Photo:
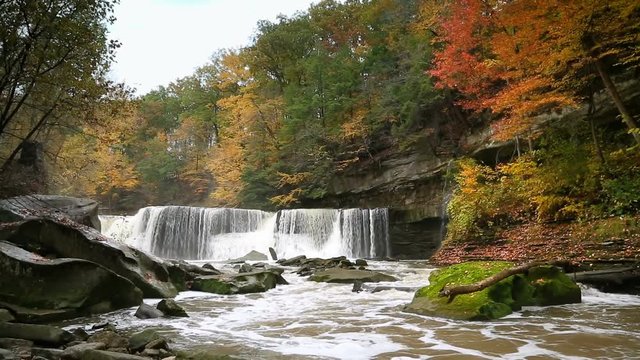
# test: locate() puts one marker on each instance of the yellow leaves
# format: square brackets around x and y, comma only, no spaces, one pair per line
[288,199]
[355,127]
[227,164]
[293,179]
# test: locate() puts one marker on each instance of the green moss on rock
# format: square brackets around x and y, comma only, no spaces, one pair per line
[212,284]
[540,286]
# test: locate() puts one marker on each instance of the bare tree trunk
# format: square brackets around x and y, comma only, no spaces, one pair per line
[38,125]
[613,91]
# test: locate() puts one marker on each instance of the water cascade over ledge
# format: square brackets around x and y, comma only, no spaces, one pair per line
[195,233]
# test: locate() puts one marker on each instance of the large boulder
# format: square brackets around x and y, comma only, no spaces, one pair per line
[80,210]
[69,240]
[39,334]
[68,287]
[243,283]
[539,286]
[349,276]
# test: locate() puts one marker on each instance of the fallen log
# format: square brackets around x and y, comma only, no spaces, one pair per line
[626,279]
[453,291]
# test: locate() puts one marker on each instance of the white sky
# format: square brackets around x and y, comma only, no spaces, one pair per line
[163,40]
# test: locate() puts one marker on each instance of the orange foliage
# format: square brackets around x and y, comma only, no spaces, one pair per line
[525,57]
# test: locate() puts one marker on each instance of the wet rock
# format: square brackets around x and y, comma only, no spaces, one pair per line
[169,308]
[361,262]
[109,355]
[539,286]
[7,355]
[397,288]
[245,268]
[77,352]
[39,334]
[154,353]
[103,325]
[66,287]
[346,264]
[211,268]
[251,256]
[19,347]
[244,283]
[139,340]
[5,315]
[338,275]
[181,272]
[46,353]
[294,261]
[357,286]
[145,311]
[273,254]
[160,343]
[145,271]
[305,271]
[109,338]
[36,316]
[80,334]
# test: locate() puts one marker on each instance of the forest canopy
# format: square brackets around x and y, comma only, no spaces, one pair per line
[318,93]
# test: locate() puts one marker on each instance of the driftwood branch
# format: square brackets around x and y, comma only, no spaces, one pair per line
[453,291]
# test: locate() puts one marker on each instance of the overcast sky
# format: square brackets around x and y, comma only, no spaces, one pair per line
[163,40]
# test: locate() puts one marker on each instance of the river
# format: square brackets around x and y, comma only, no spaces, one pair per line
[308,320]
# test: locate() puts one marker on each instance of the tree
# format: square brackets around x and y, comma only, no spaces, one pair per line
[54,56]
[525,57]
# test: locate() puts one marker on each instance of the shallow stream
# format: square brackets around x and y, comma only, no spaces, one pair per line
[308,320]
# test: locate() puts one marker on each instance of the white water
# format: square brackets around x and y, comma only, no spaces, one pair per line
[209,233]
[308,320]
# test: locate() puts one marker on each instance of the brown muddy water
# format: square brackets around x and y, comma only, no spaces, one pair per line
[307,320]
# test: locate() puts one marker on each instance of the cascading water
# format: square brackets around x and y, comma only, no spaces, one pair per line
[193,233]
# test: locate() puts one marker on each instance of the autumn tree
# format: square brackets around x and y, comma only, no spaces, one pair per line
[522,58]
[54,56]
[93,160]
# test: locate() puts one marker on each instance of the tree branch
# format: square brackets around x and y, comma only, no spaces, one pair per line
[453,291]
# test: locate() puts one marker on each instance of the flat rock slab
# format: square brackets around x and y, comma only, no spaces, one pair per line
[349,276]
[39,334]
[80,210]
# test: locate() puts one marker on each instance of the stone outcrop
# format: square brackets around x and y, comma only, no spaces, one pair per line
[80,210]
[54,238]
[59,287]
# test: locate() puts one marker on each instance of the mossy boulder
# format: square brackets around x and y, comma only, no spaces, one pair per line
[539,286]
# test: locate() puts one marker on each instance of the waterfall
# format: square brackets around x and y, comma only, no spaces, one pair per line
[195,233]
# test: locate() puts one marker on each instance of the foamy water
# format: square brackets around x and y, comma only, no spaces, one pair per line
[308,320]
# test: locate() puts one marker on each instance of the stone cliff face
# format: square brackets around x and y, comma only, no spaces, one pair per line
[413,184]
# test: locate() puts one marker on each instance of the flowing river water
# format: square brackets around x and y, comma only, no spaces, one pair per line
[309,320]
